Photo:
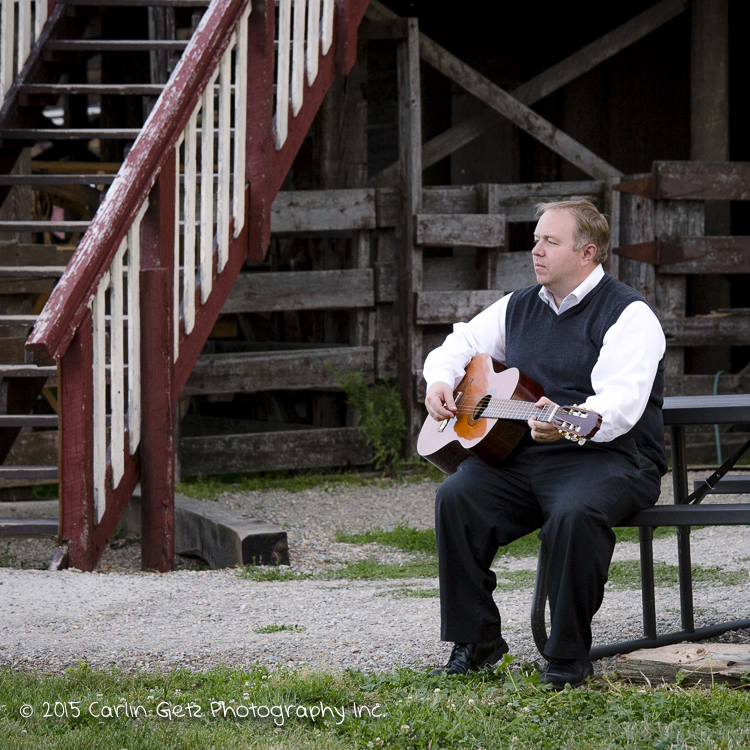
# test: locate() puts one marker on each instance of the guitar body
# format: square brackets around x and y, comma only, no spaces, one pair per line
[489,439]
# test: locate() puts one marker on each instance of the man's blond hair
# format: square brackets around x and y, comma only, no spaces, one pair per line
[591,227]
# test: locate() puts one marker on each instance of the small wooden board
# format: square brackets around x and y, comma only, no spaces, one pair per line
[701,663]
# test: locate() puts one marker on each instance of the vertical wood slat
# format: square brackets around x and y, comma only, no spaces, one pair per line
[206,266]
[225,166]
[188,250]
[313,40]
[134,331]
[298,57]
[281,124]
[327,26]
[240,125]
[99,366]
[24,33]
[176,280]
[6,49]
[40,18]
[117,368]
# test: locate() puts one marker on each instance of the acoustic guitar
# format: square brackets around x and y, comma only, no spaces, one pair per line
[494,403]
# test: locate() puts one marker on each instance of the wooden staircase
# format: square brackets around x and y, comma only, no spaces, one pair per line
[147,255]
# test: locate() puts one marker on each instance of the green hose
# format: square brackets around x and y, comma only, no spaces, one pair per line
[716,427]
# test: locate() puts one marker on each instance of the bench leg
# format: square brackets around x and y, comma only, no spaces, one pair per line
[686,578]
[646,538]
[539,601]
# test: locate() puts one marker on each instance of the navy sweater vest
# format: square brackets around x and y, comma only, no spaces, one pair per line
[560,351]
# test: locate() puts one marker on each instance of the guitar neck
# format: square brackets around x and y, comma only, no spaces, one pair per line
[506,408]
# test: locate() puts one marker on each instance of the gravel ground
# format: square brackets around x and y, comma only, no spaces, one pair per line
[119,616]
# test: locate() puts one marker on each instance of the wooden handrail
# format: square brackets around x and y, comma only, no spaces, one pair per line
[72,296]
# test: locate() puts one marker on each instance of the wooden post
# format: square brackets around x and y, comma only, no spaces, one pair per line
[76,400]
[157,437]
[409,255]
[637,215]
[612,210]
[709,141]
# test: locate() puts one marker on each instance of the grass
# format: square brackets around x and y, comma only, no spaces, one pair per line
[280,628]
[405,709]
[371,570]
[627,574]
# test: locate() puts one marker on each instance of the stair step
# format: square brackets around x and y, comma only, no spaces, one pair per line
[142,3]
[106,89]
[57,179]
[76,167]
[26,527]
[29,420]
[114,45]
[18,320]
[31,272]
[47,473]
[27,371]
[68,134]
[44,226]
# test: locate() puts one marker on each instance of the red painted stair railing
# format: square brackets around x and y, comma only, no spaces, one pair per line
[190,204]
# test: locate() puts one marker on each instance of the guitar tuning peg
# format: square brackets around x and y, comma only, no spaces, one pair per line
[581,441]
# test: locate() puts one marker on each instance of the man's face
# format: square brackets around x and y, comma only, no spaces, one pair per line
[557,264]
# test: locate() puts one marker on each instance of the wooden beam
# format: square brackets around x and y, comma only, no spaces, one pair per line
[409,257]
[708,255]
[545,83]
[279,370]
[720,328]
[519,114]
[449,230]
[301,290]
[272,451]
[448,307]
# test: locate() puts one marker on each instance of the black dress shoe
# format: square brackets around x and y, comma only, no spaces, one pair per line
[562,672]
[471,657]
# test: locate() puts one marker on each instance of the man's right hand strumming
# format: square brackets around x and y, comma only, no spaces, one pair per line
[439,402]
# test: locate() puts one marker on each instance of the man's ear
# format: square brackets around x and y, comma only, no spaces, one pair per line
[588,252]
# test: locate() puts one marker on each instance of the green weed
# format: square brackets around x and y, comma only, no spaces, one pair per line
[280,628]
[627,574]
[269,573]
[370,570]
[402,537]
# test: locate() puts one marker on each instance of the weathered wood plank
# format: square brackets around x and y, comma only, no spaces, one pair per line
[725,327]
[703,385]
[271,451]
[449,230]
[323,211]
[695,180]
[301,290]
[449,307]
[706,255]
[287,370]
[514,270]
[705,663]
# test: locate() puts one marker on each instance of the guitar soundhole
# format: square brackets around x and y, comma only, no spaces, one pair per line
[478,412]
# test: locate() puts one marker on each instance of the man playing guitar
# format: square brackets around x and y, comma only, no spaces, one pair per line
[587,339]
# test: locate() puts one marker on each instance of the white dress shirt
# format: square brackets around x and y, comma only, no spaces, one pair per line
[622,377]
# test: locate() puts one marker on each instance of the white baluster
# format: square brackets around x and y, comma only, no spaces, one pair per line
[282,73]
[40,17]
[326,30]
[6,46]
[134,331]
[188,250]
[240,125]
[225,166]
[117,367]
[298,57]
[207,192]
[176,285]
[24,32]
[100,398]
[313,40]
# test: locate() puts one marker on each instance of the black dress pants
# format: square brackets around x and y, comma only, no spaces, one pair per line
[574,495]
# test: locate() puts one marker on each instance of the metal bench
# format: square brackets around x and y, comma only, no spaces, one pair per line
[678,412]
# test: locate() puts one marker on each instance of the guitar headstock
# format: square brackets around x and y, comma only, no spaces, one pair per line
[576,423]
